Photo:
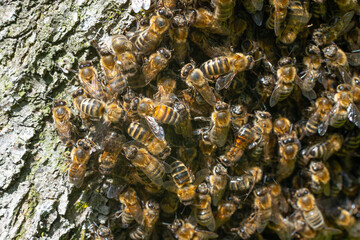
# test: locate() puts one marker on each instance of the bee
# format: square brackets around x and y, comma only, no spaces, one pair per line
[112,149]
[263,208]
[305,202]
[89,79]
[166,84]
[179,31]
[96,109]
[195,78]
[239,116]
[325,149]
[217,183]
[207,148]
[243,139]
[151,214]
[265,86]
[312,62]
[283,227]
[317,119]
[262,129]
[336,59]
[185,183]
[302,227]
[155,146]
[278,201]
[344,218]
[116,82]
[246,181]
[149,39]
[80,155]
[169,204]
[151,166]
[223,9]
[247,227]
[220,124]
[298,17]
[289,145]
[336,178]
[286,74]
[277,15]
[319,9]
[351,143]
[155,64]
[125,57]
[344,108]
[133,210]
[227,67]
[254,8]
[203,212]
[65,129]
[224,212]
[282,126]
[327,34]
[104,233]
[355,82]
[185,230]
[320,178]
[184,127]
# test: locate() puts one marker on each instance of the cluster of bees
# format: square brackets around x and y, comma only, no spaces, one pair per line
[225,119]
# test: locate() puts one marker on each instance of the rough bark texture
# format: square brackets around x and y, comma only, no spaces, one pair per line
[37,39]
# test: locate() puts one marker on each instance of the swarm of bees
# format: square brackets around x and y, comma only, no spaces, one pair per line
[224,119]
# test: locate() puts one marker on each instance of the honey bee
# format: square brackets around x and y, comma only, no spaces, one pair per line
[336,59]
[320,178]
[243,139]
[302,227]
[155,146]
[185,230]
[184,127]
[283,227]
[325,149]
[80,155]
[132,205]
[179,31]
[166,84]
[169,204]
[298,17]
[277,15]
[65,129]
[289,145]
[112,149]
[217,183]
[207,148]
[263,208]
[227,67]
[203,212]
[195,78]
[317,120]
[149,39]
[116,82]
[336,178]
[254,8]
[247,227]
[326,34]
[155,64]
[224,212]
[344,108]
[318,9]
[125,57]
[355,82]
[312,62]
[239,116]
[151,214]
[282,126]
[104,233]
[220,124]
[185,184]
[344,218]
[351,143]
[265,86]
[89,79]
[151,166]
[305,202]
[286,74]
[223,9]
[246,181]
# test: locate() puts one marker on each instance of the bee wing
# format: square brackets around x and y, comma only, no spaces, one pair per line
[155,128]
[353,114]
[136,5]
[308,93]
[207,93]
[224,81]
[258,17]
[323,126]
[201,175]
[353,58]
[211,225]
[170,186]
[202,234]
[275,95]
[146,4]
[345,74]
[276,21]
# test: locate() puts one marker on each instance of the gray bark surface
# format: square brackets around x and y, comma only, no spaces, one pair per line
[38,39]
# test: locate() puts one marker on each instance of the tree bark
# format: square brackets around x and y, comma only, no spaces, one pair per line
[39,39]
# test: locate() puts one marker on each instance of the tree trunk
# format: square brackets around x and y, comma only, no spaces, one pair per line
[39,39]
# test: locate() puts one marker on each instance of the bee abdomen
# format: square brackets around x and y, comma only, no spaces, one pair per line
[92,107]
[180,173]
[166,115]
[137,132]
[216,66]
[315,219]
[311,126]
[285,92]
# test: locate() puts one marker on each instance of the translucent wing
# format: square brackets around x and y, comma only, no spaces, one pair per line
[155,128]
[207,93]
[353,114]
[353,58]
[276,20]
[258,17]
[146,4]
[275,96]
[308,93]
[224,81]
[323,126]
[137,5]
[201,175]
